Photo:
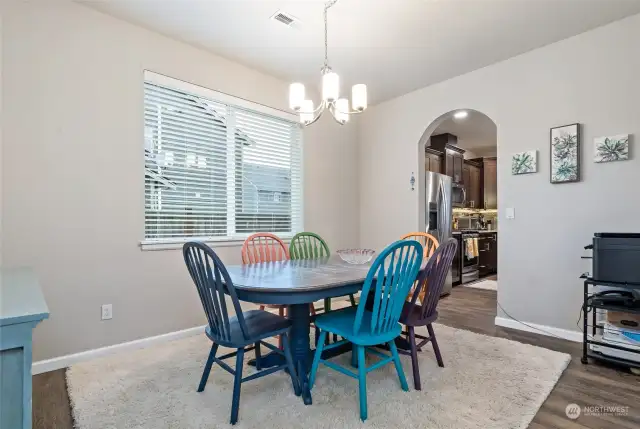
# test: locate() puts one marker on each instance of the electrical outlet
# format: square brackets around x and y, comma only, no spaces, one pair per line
[107,311]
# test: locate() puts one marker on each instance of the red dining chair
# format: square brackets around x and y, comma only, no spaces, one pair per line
[267,247]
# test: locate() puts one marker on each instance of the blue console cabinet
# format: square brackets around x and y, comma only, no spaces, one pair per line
[22,307]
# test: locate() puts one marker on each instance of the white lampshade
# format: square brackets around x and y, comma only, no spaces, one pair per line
[296,96]
[342,110]
[306,111]
[330,86]
[359,97]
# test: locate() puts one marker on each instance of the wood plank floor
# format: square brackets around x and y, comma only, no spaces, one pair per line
[465,308]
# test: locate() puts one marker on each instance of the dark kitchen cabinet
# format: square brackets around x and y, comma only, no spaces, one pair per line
[471,173]
[466,183]
[458,162]
[453,156]
[448,164]
[490,173]
[488,249]
[433,161]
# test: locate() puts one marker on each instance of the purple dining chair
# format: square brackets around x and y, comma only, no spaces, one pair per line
[424,314]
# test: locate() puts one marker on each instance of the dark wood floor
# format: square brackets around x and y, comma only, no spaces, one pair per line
[465,308]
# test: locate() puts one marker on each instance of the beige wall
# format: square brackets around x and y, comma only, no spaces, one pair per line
[73,172]
[592,79]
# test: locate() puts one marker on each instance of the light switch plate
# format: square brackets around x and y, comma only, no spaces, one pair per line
[510,213]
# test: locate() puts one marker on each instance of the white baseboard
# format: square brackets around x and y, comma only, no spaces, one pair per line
[550,331]
[68,360]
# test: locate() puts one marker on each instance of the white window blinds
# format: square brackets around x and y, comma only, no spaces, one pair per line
[215,170]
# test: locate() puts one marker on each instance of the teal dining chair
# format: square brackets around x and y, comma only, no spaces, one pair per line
[391,276]
[309,245]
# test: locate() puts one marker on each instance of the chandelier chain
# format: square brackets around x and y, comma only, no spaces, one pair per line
[326,25]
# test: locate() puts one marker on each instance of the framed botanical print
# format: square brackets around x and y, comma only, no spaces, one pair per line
[613,148]
[524,162]
[565,153]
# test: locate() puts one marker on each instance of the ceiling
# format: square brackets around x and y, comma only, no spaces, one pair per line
[393,46]
[476,133]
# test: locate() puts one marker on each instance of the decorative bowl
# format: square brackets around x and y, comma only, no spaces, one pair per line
[356,256]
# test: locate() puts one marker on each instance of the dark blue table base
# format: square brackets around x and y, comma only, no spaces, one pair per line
[300,349]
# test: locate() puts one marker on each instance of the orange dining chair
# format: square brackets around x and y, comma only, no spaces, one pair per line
[266,247]
[429,244]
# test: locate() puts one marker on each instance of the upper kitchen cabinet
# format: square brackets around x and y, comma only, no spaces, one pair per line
[471,173]
[453,159]
[432,160]
[490,168]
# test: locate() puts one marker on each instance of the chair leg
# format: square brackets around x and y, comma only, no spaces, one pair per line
[362,383]
[354,355]
[258,356]
[292,370]
[434,342]
[316,358]
[353,300]
[237,380]
[327,305]
[312,309]
[207,367]
[281,314]
[399,370]
[414,359]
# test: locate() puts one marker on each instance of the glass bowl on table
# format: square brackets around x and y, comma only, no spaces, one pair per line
[356,256]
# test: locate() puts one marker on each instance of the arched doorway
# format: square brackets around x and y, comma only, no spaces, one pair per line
[462,144]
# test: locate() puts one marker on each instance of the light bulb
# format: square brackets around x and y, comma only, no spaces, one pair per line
[359,97]
[306,111]
[341,111]
[330,86]
[296,96]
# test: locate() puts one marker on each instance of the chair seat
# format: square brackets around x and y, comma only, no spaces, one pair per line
[341,322]
[260,324]
[412,315]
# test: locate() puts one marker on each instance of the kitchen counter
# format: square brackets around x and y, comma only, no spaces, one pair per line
[479,231]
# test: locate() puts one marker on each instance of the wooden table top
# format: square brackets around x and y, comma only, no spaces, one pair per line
[298,275]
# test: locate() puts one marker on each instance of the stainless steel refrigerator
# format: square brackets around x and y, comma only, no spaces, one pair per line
[438,216]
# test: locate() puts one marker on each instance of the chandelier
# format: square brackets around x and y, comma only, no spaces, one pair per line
[339,107]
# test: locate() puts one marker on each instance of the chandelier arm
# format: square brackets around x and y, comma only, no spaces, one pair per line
[315,118]
[320,107]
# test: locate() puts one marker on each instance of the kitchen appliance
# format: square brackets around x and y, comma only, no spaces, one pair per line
[469,260]
[456,266]
[458,195]
[439,213]
[616,257]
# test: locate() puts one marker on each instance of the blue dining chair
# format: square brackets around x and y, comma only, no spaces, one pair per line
[247,328]
[392,274]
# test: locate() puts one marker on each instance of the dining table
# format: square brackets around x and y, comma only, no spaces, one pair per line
[296,284]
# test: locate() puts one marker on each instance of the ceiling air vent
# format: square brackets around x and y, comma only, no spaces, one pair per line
[284,18]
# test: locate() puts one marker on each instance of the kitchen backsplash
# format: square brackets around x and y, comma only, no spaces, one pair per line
[468,218]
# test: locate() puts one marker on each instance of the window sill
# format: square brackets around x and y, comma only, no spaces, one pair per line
[146,245]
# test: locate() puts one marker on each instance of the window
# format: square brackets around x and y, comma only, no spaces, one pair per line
[217,167]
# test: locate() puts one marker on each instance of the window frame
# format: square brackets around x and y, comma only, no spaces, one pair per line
[238,238]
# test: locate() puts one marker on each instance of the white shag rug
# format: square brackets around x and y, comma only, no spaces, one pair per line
[487,383]
[483,284]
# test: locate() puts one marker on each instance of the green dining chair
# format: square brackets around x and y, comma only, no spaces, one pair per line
[309,245]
